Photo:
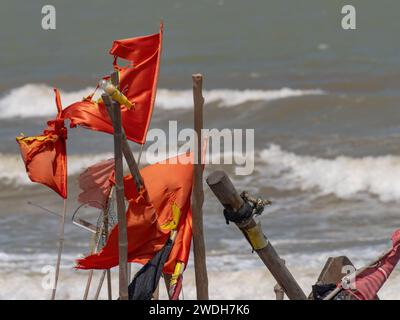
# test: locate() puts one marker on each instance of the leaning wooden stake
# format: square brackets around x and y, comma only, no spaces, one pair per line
[198,194]
[279,293]
[60,248]
[226,193]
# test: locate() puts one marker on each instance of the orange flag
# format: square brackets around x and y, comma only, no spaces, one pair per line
[149,224]
[45,155]
[137,81]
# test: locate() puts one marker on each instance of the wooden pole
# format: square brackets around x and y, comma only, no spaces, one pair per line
[226,193]
[119,190]
[130,159]
[199,251]
[60,248]
[126,150]
[121,146]
[279,293]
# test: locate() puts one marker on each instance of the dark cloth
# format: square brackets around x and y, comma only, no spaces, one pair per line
[146,280]
[320,291]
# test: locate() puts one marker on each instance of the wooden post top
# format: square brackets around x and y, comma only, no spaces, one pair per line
[197,76]
[224,190]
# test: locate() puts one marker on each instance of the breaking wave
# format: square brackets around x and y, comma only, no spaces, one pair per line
[345,177]
[37,100]
[20,280]
[174,99]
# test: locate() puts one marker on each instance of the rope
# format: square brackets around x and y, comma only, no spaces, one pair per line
[252,206]
[257,203]
[140,154]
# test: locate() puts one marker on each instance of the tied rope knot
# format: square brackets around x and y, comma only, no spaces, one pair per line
[141,194]
[252,206]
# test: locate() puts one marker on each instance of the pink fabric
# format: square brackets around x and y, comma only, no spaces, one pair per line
[96,184]
[370,281]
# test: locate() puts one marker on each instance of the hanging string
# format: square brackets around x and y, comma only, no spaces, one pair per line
[140,154]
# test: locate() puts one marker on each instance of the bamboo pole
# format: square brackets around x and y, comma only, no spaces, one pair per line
[156,293]
[95,248]
[167,281]
[109,288]
[88,283]
[200,265]
[105,223]
[226,193]
[60,248]
[97,294]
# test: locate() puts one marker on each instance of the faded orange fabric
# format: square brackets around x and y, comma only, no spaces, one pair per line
[137,81]
[45,155]
[166,184]
[96,182]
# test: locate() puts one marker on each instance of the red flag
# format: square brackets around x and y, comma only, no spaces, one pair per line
[45,155]
[95,183]
[137,81]
[169,186]
[371,280]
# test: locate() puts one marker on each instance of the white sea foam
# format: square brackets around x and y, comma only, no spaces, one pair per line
[173,99]
[37,100]
[12,170]
[20,283]
[342,176]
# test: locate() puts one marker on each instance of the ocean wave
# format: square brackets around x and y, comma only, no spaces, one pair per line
[259,284]
[22,281]
[33,262]
[345,177]
[182,99]
[12,169]
[37,100]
